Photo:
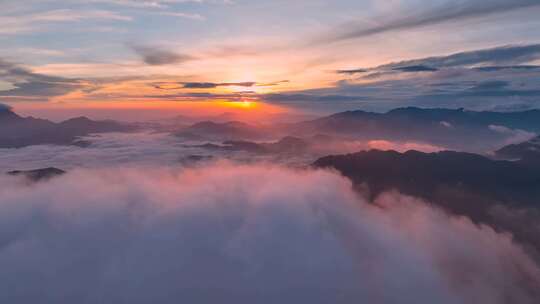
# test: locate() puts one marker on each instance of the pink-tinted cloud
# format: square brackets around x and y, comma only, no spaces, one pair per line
[243,234]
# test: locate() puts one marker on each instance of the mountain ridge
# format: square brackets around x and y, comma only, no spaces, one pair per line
[455,129]
[500,193]
[17,131]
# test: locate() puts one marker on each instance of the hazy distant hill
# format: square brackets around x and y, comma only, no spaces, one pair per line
[526,151]
[465,184]
[456,129]
[287,145]
[271,118]
[17,131]
[233,130]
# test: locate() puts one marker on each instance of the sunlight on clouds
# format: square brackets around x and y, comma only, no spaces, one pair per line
[263,43]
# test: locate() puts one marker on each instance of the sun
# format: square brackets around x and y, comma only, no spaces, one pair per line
[243,104]
[246,104]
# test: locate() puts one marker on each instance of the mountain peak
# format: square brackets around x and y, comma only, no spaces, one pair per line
[6,112]
[78,119]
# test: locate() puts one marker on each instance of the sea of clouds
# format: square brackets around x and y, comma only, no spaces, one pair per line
[237,233]
[149,149]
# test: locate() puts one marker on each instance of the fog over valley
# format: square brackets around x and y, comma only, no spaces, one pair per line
[264,152]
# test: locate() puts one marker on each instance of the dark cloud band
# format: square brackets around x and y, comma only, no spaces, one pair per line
[157,56]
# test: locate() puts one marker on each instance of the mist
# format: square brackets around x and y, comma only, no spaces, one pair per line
[235,233]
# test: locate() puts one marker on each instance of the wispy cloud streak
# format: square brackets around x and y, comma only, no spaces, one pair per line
[449,12]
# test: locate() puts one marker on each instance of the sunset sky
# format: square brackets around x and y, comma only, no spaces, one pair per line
[148,58]
[270,151]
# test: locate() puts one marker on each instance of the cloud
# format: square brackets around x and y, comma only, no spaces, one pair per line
[158,4]
[352,71]
[27,85]
[471,79]
[157,56]
[387,145]
[511,67]
[147,149]
[213,85]
[415,68]
[154,149]
[492,59]
[234,233]
[204,96]
[513,136]
[512,54]
[105,150]
[19,24]
[451,11]
[133,3]
[446,124]
[272,84]
[183,15]
[491,85]
[293,97]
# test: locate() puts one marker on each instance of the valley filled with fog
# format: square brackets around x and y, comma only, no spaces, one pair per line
[269,152]
[230,211]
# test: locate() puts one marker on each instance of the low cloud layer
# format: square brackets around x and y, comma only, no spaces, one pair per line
[105,150]
[147,149]
[513,136]
[243,234]
[386,145]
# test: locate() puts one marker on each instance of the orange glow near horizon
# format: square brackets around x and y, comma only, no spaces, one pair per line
[248,110]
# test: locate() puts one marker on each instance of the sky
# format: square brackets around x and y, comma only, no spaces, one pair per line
[162,216]
[146,59]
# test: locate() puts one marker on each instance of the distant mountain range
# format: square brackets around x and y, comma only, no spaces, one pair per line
[274,118]
[233,130]
[459,129]
[286,145]
[503,194]
[17,131]
[525,151]
[455,129]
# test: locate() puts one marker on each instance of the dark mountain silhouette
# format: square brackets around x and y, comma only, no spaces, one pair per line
[286,145]
[527,151]
[273,118]
[195,159]
[457,129]
[38,174]
[17,131]
[503,194]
